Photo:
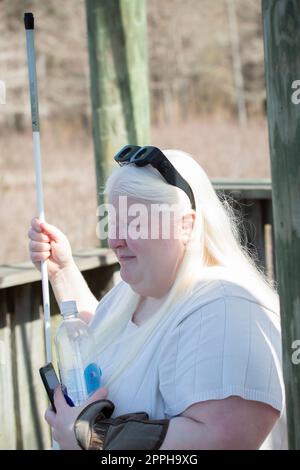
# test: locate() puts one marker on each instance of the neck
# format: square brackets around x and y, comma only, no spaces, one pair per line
[152,302]
[147,306]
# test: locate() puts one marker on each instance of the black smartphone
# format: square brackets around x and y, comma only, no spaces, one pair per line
[50,381]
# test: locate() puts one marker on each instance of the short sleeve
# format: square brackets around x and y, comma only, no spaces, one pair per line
[231,346]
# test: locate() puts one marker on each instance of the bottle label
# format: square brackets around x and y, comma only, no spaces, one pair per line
[75,386]
[92,377]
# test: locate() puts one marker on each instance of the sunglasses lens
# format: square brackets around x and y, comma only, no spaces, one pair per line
[141,157]
[125,154]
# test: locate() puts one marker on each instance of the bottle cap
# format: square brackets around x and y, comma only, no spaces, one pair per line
[68,308]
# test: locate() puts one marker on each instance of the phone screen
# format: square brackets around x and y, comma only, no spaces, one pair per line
[51,378]
[50,381]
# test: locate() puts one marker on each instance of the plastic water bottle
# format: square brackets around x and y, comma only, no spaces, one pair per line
[75,346]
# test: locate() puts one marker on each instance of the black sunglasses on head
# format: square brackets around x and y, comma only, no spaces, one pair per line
[148,155]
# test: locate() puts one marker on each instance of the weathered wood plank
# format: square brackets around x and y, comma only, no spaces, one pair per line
[22,273]
[281,24]
[244,188]
[118,57]
[267,211]
[8,429]
[28,355]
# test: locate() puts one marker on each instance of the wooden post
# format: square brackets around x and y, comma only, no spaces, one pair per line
[117,41]
[281,21]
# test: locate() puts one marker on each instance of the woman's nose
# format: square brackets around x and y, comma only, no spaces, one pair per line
[115,243]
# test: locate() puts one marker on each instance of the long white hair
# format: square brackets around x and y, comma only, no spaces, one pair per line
[214,242]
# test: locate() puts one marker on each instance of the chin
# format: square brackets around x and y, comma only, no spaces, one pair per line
[133,281]
[127,277]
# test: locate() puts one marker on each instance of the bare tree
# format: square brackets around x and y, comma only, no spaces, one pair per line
[236,61]
[204,57]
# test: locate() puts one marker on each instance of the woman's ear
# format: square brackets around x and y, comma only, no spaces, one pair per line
[187,224]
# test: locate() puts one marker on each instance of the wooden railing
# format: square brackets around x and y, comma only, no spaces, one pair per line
[23,399]
[22,351]
[253,200]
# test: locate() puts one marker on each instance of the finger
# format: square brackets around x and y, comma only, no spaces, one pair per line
[35,223]
[38,246]
[59,399]
[51,231]
[40,256]
[50,417]
[100,394]
[36,236]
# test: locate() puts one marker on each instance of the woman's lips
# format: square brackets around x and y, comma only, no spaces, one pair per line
[124,258]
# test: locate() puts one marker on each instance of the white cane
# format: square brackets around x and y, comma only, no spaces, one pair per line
[29,27]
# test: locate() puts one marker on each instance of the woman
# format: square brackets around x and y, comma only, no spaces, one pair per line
[189,340]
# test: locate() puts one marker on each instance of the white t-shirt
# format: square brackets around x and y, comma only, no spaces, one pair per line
[217,342]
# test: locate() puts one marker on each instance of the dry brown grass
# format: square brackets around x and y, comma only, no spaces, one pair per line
[221,147]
